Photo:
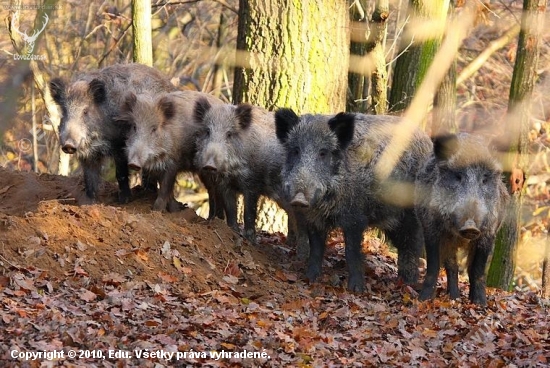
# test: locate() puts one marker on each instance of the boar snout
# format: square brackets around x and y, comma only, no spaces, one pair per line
[469,230]
[210,166]
[299,200]
[134,166]
[69,147]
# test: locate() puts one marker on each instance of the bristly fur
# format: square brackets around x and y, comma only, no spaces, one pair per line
[459,186]
[162,140]
[330,162]
[238,146]
[90,105]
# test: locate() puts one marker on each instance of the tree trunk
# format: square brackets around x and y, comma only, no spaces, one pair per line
[418,49]
[38,70]
[502,267]
[298,55]
[270,217]
[379,77]
[358,84]
[142,36]
[444,113]
[219,69]
[546,270]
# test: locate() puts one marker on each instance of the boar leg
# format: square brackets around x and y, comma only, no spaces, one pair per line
[92,175]
[317,241]
[409,240]
[122,176]
[451,269]
[479,255]
[432,240]
[353,236]
[166,189]
[250,212]
[230,205]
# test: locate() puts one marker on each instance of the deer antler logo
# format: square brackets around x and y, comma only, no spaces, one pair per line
[30,40]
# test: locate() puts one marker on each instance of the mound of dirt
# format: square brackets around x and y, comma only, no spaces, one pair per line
[42,227]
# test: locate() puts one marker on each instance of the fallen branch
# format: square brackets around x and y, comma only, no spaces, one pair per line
[493,46]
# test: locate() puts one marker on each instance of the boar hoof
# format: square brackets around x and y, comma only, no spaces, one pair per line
[175,206]
[159,205]
[426,294]
[478,297]
[250,235]
[356,285]
[124,197]
[312,274]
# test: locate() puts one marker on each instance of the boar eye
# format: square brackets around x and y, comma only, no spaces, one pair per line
[323,153]
[295,151]
[134,127]
[154,129]
[229,135]
[486,178]
[85,111]
[458,176]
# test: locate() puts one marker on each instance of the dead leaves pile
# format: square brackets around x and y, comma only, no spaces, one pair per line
[255,303]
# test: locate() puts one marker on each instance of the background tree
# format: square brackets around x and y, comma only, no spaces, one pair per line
[444,113]
[142,34]
[502,267]
[297,56]
[368,58]
[358,83]
[418,46]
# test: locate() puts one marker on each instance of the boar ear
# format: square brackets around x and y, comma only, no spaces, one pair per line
[201,108]
[130,101]
[125,114]
[343,125]
[57,90]
[167,107]
[445,146]
[98,91]
[285,120]
[243,112]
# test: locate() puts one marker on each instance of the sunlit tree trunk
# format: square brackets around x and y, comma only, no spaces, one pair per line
[502,267]
[142,36]
[299,52]
[376,46]
[297,57]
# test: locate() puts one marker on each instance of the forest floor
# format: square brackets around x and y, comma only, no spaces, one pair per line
[109,286]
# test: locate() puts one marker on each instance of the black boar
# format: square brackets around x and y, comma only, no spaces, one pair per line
[460,202]
[329,176]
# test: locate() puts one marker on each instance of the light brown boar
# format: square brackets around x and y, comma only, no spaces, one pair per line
[162,139]
[88,104]
[237,145]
